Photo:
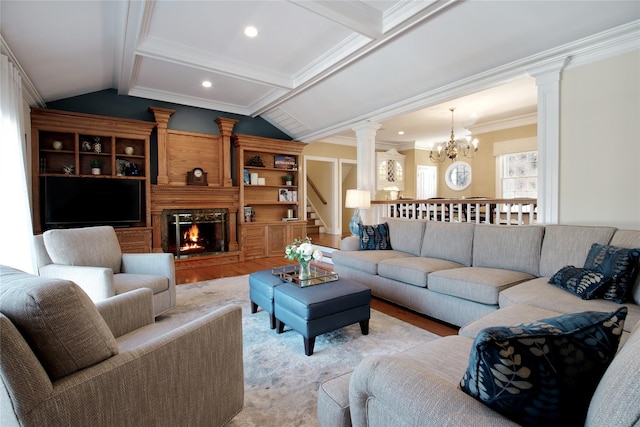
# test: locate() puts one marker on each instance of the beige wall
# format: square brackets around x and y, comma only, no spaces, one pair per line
[325,149]
[483,165]
[600,143]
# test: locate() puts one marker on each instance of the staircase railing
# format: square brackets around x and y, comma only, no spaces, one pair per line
[520,211]
[315,189]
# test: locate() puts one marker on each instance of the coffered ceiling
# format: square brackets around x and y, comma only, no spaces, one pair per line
[316,68]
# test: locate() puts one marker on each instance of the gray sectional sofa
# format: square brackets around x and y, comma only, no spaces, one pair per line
[474,276]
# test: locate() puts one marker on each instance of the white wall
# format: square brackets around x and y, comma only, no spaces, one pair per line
[600,143]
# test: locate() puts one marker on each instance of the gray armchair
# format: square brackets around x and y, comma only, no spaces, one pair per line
[66,362]
[92,258]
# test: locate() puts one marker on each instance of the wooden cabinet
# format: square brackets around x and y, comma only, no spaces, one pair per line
[267,201]
[99,156]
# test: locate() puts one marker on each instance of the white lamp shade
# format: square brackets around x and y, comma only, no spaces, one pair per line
[360,199]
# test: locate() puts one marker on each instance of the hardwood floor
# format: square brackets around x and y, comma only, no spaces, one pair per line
[237,269]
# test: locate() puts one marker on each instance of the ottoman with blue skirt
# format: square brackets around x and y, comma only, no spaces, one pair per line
[315,310]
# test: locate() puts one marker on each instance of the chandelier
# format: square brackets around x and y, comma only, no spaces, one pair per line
[454,147]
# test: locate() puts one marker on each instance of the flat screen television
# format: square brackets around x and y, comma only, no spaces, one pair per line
[69,201]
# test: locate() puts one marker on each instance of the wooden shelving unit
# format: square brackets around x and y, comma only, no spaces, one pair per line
[265,233]
[65,144]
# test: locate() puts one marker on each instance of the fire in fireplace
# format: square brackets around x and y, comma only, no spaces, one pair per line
[196,232]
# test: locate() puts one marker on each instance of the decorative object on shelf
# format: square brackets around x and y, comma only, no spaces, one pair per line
[249,216]
[97,145]
[57,145]
[255,161]
[288,179]
[247,177]
[121,166]
[197,177]
[284,195]
[450,149]
[284,162]
[262,181]
[68,169]
[132,170]
[303,252]
[86,145]
[128,150]
[96,166]
[357,199]
[254,179]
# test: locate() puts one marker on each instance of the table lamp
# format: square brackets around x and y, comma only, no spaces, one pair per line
[357,199]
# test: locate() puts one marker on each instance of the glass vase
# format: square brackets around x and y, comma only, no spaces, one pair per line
[305,270]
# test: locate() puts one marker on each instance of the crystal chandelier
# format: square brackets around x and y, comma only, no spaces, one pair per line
[451,149]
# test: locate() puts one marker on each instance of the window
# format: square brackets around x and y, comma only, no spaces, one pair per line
[519,175]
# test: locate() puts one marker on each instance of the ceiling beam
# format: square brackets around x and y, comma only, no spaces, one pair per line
[355,15]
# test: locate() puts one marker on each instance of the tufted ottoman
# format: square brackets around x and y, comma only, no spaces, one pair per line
[261,285]
[315,310]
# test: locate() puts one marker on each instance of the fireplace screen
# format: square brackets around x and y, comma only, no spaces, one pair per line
[197,233]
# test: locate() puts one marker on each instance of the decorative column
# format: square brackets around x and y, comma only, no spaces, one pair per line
[162,116]
[548,78]
[225,125]
[366,161]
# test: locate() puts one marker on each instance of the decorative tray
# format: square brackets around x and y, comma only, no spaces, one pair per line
[291,273]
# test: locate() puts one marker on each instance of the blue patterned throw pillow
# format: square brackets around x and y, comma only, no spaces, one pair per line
[618,265]
[374,237]
[543,373]
[586,284]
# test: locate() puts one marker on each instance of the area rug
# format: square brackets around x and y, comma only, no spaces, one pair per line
[281,383]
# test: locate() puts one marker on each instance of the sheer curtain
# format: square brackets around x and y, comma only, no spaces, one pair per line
[15,212]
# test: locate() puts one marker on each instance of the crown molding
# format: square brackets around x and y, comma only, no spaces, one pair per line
[29,91]
[509,123]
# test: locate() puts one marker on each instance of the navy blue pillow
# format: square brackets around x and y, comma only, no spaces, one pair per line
[543,373]
[374,237]
[587,284]
[618,265]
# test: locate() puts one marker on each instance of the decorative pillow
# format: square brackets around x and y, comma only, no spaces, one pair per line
[58,320]
[374,237]
[620,265]
[544,372]
[579,281]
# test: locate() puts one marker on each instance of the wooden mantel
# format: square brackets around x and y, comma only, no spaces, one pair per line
[180,152]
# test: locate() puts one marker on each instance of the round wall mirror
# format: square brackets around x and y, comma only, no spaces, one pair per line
[458,176]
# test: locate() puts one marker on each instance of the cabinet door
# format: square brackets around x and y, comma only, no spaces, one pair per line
[277,239]
[297,230]
[253,241]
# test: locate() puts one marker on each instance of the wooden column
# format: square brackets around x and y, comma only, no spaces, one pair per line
[225,125]
[162,116]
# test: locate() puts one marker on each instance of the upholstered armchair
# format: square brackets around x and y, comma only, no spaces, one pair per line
[91,257]
[65,361]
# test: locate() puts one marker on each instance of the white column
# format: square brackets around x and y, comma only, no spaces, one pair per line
[366,161]
[548,78]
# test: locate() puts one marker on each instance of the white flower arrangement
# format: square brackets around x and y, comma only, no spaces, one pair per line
[302,251]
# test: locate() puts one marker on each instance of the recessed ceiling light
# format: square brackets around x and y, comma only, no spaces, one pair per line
[401,132]
[206,83]
[251,31]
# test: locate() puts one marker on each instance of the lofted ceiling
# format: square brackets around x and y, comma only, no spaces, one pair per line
[316,68]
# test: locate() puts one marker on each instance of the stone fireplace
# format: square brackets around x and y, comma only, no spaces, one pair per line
[195,232]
